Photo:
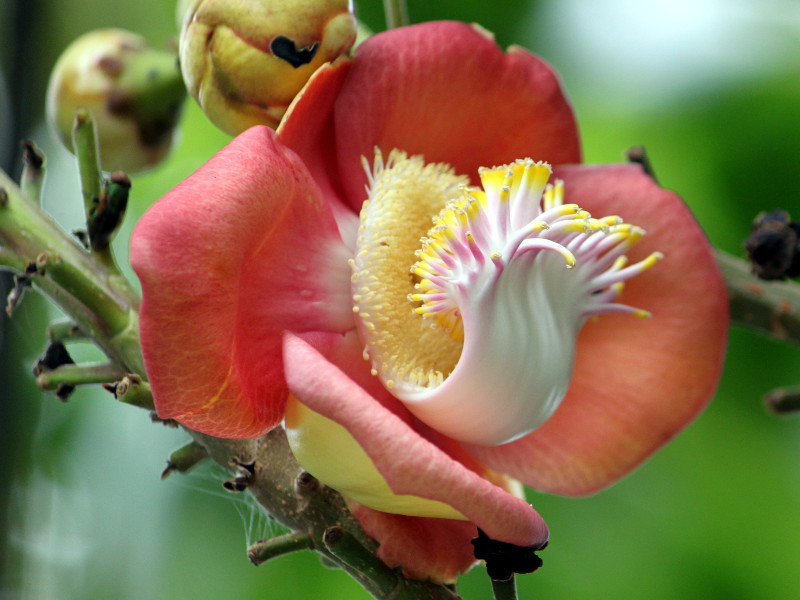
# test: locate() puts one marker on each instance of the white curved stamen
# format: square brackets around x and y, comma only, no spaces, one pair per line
[494,275]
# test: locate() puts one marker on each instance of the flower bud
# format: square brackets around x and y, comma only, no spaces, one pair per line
[134,92]
[774,246]
[245,60]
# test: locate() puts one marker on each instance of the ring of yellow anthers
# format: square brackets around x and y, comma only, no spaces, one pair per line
[491,275]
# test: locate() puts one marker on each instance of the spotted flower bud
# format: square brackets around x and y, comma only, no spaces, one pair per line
[133,91]
[245,60]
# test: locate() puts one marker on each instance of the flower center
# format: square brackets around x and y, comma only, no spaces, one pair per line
[478,338]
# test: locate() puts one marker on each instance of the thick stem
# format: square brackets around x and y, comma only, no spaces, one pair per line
[99,300]
[11,261]
[274,484]
[771,308]
[376,576]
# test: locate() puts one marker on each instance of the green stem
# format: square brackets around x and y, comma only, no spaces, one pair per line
[375,576]
[132,390]
[84,141]
[275,485]
[63,331]
[184,459]
[76,375]
[88,292]
[32,172]
[265,550]
[11,261]
[396,13]
[504,589]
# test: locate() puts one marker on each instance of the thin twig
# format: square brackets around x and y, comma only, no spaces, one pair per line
[184,459]
[75,375]
[265,550]
[396,13]
[84,140]
[505,589]
[133,390]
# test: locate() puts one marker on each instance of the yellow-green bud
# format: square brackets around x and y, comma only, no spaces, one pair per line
[135,94]
[245,60]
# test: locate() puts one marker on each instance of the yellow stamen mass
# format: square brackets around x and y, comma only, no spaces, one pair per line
[404,194]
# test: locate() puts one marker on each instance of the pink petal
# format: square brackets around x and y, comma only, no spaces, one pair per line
[447,91]
[637,382]
[409,462]
[242,250]
[436,549]
[310,133]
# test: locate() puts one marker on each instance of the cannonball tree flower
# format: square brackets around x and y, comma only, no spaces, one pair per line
[419,280]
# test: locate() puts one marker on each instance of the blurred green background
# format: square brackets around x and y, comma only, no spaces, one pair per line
[710,87]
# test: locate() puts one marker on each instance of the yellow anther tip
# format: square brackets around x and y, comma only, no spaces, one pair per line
[652,260]
[539,226]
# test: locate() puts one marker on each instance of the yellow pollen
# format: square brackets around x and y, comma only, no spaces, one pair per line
[651,260]
[404,195]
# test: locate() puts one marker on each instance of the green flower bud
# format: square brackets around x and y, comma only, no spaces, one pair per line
[135,94]
[245,60]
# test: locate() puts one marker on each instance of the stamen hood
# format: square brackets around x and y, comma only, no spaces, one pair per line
[506,278]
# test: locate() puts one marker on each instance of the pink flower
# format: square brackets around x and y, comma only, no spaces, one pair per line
[271,290]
